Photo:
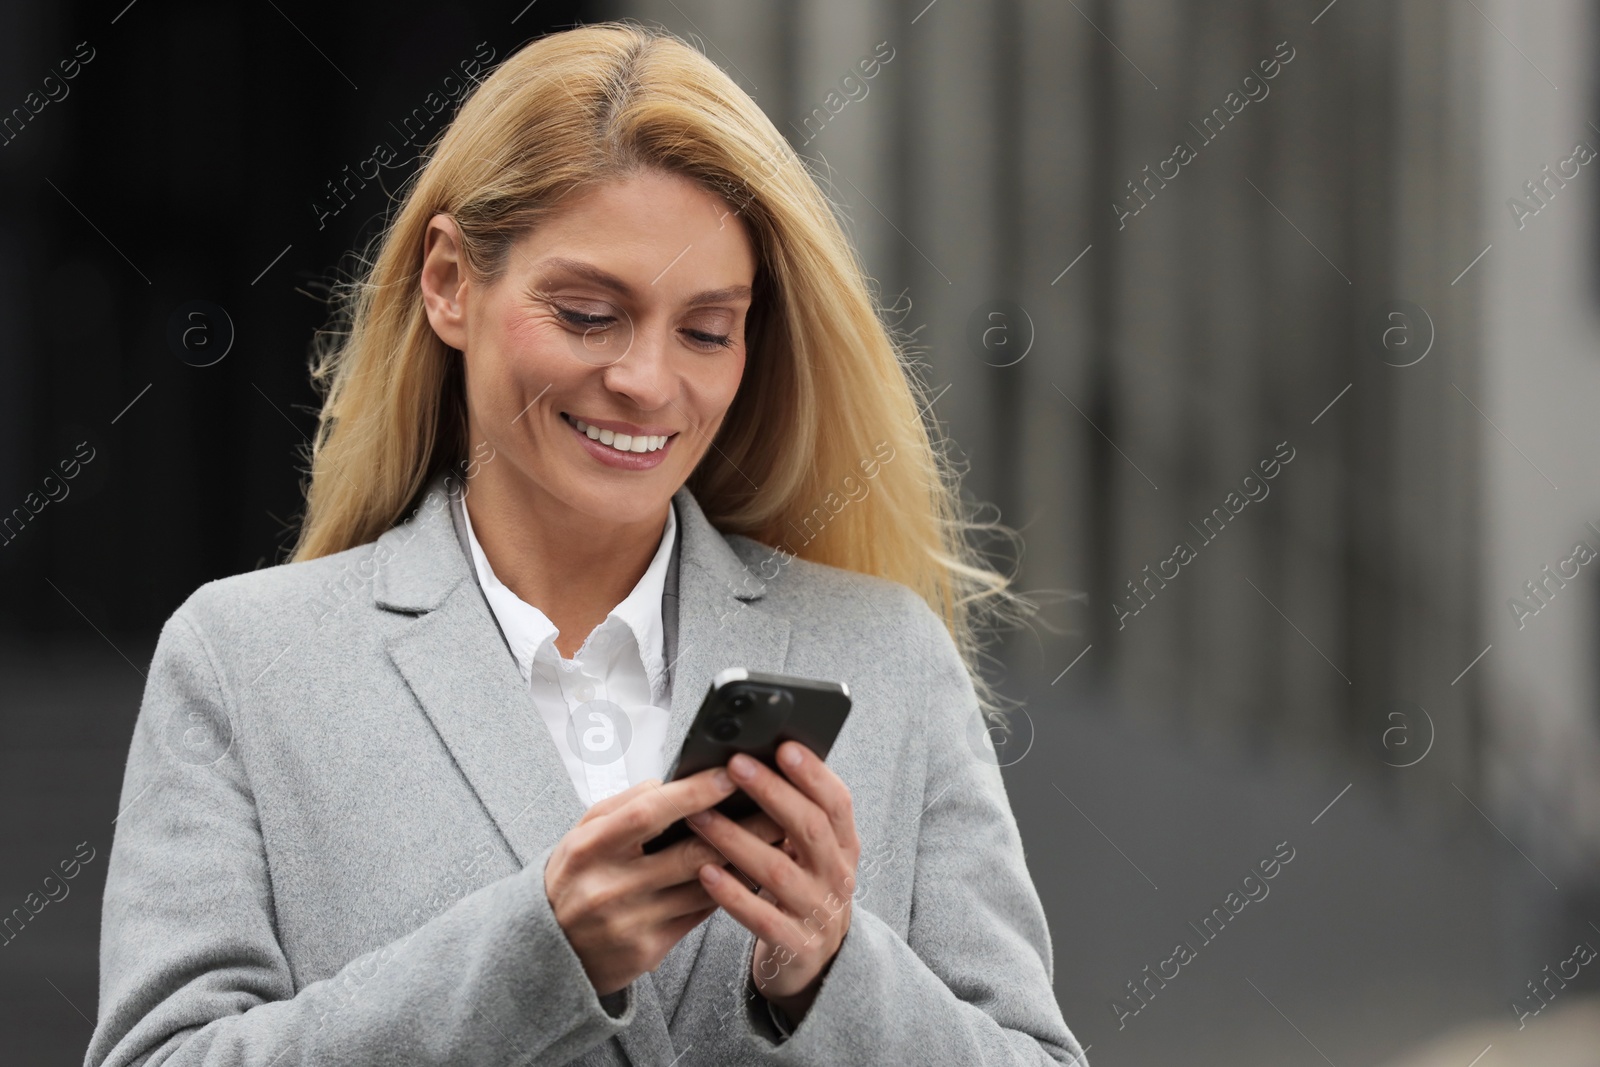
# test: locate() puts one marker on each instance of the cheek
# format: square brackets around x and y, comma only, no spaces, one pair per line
[526,339]
[736,373]
[509,359]
[718,385]
[511,348]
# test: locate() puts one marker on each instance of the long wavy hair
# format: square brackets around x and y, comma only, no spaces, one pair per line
[825,442]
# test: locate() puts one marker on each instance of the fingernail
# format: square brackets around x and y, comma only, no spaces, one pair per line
[743,767]
[710,874]
[700,818]
[790,756]
[722,781]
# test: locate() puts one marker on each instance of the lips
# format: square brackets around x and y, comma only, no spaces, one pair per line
[623,437]
[635,452]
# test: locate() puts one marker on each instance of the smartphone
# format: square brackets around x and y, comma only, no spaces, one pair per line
[753,713]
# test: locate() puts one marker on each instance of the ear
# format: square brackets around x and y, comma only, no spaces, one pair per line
[444,281]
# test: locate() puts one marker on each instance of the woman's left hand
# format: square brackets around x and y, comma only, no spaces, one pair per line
[803,910]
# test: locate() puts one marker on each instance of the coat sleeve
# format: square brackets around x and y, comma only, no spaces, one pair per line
[970,983]
[191,971]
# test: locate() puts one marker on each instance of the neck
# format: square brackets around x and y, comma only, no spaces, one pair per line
[571,566]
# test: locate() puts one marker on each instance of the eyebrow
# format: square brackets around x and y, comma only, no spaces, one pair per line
[607,280]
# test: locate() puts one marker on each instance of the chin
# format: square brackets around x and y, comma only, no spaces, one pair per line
[623,503]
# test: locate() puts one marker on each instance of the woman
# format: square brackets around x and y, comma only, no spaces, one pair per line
[613,358]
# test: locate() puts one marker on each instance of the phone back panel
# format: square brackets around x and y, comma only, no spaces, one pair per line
[767,710]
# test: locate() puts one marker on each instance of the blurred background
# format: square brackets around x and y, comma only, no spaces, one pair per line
[1308,289]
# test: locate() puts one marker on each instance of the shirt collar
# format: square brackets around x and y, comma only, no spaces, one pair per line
[641,609]
[527,628]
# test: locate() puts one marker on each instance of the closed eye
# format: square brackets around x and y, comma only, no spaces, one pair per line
[709,340]
[588,321]
[583,318]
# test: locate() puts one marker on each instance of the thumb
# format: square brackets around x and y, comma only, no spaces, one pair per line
[617,800]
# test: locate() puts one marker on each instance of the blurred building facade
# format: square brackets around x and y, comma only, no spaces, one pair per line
[1540,315]
[1197,225]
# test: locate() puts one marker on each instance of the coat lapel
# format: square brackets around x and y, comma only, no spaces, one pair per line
[461,672]
[457,665]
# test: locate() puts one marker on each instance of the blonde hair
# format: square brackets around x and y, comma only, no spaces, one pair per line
[594,104]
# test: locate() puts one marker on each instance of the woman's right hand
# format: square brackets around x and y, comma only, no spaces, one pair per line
[623,910]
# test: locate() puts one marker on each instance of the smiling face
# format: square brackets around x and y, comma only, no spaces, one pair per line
[600,364]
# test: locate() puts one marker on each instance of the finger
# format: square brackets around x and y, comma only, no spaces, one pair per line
[806,823]
[674,902]
[616,800]
[657,806]
[680,799]
[759,916]
[817,780]
[681,861]
[768,867]
[762,826]
[677,928]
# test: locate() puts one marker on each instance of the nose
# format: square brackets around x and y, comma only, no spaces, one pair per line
[645,372]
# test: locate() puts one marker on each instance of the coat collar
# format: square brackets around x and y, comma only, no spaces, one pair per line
[465,678]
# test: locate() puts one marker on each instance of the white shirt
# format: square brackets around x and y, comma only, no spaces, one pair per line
[606,708]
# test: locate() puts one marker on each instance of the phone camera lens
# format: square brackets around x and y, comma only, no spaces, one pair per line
[741,702]
[725,728]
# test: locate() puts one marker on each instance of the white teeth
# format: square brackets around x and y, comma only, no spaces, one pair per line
[621,441]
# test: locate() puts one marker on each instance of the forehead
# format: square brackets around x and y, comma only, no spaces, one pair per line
[656,232]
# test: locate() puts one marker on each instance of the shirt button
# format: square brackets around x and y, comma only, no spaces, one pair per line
[586,692]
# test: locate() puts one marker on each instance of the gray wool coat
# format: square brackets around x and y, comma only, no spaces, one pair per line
[339,802]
